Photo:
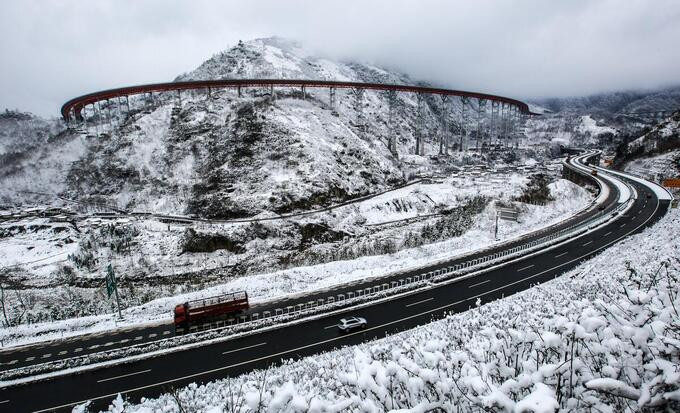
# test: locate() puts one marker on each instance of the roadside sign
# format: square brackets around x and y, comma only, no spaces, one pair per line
[110,281]
[111,287]
[508,214]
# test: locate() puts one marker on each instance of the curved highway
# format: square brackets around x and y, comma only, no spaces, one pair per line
[152,376]
[80,345]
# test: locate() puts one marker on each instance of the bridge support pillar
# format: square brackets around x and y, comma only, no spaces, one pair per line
[481,108]
[464,103]
[420,120]
[502,123]
[359,109]
[443,125]
[118,105]
[108,113]
[331,98]
[392,139]
[239,91]
[515,122]
[94,119]
[304,92]
[494,122]
[100,121]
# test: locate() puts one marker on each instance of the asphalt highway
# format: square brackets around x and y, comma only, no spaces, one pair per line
[150,377]
[107,340]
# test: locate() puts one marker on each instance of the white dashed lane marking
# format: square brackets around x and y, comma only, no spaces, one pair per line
[152,335]
[559,255]
[327,327]
[78,350]
[478,284]
[124,375]
[420,302]
[589,242]
[44,356]
[30,358]
[525,268]
[244,348]
[138,338]
[61,353]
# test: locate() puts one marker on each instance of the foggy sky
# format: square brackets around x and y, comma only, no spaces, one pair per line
[52,51]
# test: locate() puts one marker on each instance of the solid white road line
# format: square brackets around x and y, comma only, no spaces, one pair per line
[525,268]
[589,242]
[202,373]
[420,302]
[475,285]
[124,375]
[559,255]
[244,348]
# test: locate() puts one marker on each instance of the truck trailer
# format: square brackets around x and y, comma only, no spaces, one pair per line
[209,309]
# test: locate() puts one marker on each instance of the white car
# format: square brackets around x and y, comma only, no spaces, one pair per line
[351,323]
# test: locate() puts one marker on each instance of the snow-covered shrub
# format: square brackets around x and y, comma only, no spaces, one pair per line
[604,337]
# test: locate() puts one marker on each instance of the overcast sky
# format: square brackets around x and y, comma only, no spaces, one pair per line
[54,50]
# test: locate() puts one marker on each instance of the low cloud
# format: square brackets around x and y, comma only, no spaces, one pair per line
[55,50]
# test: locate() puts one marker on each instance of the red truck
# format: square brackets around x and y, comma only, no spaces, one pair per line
[206,309]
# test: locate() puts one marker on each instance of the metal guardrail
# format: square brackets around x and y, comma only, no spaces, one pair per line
[335,302]
[349,299]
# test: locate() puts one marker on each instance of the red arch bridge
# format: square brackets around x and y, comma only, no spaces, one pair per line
[504,114]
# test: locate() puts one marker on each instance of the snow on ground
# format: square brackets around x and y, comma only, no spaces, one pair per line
[37,242]
[589,126]
[264,286]
[656,168]
[603,337]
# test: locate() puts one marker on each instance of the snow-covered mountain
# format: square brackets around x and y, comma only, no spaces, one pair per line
[228,156]
[656,154]
[604,104]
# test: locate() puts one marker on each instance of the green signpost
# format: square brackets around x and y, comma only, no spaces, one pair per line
[111,287]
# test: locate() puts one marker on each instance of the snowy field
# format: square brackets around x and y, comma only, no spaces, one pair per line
[569,198]
[603,338]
